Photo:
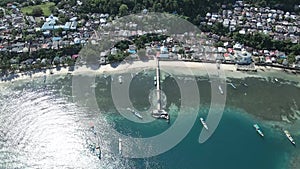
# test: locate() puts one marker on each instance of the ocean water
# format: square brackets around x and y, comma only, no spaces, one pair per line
[41,127]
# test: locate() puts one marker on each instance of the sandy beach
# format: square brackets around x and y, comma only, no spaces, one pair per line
[267,100]
[176,67]
[273,78]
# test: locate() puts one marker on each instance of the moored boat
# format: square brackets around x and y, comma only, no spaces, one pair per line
[138,115]
[120,79]
[257,128]
[233,86]
[135,113]
[160,114]
[288,135]
[98,152]
[203,123]
[221,90]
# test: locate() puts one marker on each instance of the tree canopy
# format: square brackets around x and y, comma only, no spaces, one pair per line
[37,11]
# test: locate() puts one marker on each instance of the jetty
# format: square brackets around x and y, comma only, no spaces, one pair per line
[159,113]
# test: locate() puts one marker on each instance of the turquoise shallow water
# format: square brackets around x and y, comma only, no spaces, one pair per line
[235,144]
[42,128]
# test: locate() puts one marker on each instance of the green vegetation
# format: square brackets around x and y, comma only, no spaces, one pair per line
[10,62]
[37,9]
[263,41]
[5,2]
[193,9]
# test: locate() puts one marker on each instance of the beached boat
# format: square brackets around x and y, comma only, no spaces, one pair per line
[257,128]
[221,90]
[288,135]
[203,123]
[136,113]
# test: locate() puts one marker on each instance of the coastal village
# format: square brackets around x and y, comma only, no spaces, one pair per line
[64,38]
[22,35]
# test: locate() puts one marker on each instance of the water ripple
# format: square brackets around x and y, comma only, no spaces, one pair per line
[40,129]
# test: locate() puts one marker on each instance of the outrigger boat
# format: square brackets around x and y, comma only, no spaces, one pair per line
[203,123]
[135,113]
[257,128]
[288,135]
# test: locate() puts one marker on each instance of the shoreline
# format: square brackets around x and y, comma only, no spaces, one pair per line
[176,67]
[271,79]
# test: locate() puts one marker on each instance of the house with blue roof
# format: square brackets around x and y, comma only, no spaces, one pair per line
[50,24]
[243,57]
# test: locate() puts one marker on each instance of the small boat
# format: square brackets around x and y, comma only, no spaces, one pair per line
[94,85]
[257,128]
[160,114]
[98,152]
[276,79]
[245,84]
[92,129]
[221,90]
[232,85]
[120,146]
[288,135]
[120,79]
[203,123]
[136,113]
